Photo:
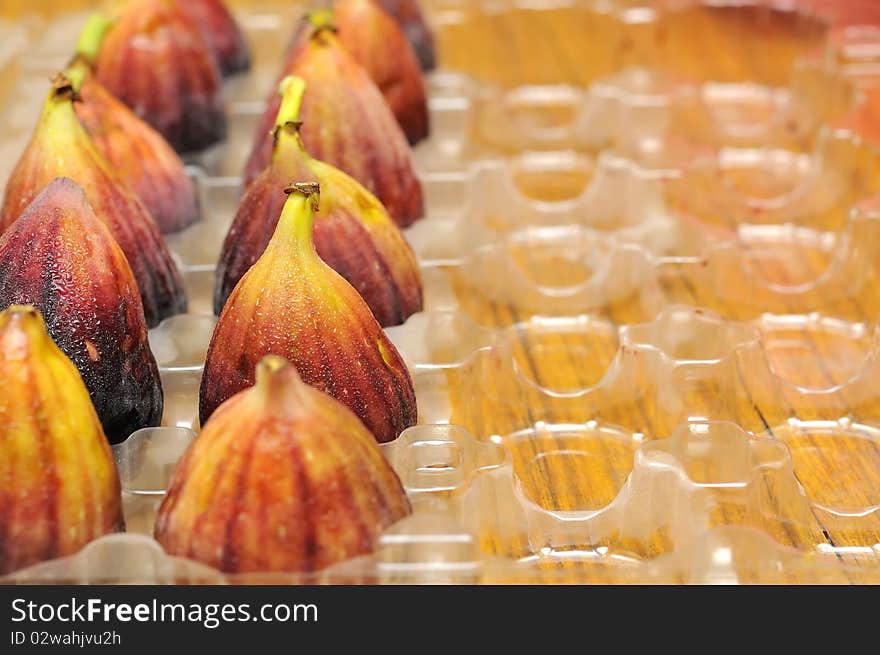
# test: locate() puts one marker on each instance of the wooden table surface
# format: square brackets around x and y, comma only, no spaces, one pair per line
[576,46]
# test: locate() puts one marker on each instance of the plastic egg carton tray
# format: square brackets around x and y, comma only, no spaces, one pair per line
[650,340]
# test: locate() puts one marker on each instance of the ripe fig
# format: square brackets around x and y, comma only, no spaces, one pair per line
[59,488]
[156,61]
[292,304]
[59,258]
[141,157]
[347,124]
[60,147]
[221,32]
[283,478]
[377,43]
[353,232]
[409,15]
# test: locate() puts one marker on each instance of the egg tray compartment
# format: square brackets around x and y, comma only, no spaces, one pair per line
[620,232]
[646,378]
[570,465]
[710,504]
[624,237]
[448,538]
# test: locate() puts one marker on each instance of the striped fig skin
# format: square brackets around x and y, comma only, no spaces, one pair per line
[292,304]
[59,258]
[409,15]
[155,60]
[140,156]
[59,488]
[221,32]
[346,123]
[283,478]
[353,234]
[377,43]
[60,147]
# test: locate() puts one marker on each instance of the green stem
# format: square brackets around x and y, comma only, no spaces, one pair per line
[322,19]
[58,117]
[287,124]
[76,74]
[292,89]
[92,36]
[298,216]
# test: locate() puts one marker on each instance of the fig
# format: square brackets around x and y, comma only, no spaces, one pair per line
[353,232]
[409,15]
[291,304]
[60,147]
[59,258]
[59,488]
[141,157]
[377,43]
[156,61]
[283,478]
[346,123]
[221,32]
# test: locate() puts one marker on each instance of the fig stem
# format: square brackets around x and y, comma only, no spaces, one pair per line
[292,90]
[321,20]
[66,85]
[92,36]
[287,124]
[75,75]
[298,216]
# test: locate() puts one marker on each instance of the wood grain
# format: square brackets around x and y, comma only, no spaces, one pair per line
[575,46]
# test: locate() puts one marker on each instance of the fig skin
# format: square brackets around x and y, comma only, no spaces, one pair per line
[376,42]
[60,147]
[141,157]
[221,32]
[347,124]
[59,488]
[409,15]
[283,478]
[59,258]
[291,304]
[156,61]
[353,232]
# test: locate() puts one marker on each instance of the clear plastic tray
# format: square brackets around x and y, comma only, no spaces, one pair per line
[649,352]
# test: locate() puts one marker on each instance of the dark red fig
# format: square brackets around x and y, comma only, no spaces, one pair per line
[157,62]
[409,15]
[59,258]
[221,32]
[346,123]
[140,156]
[60,147]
